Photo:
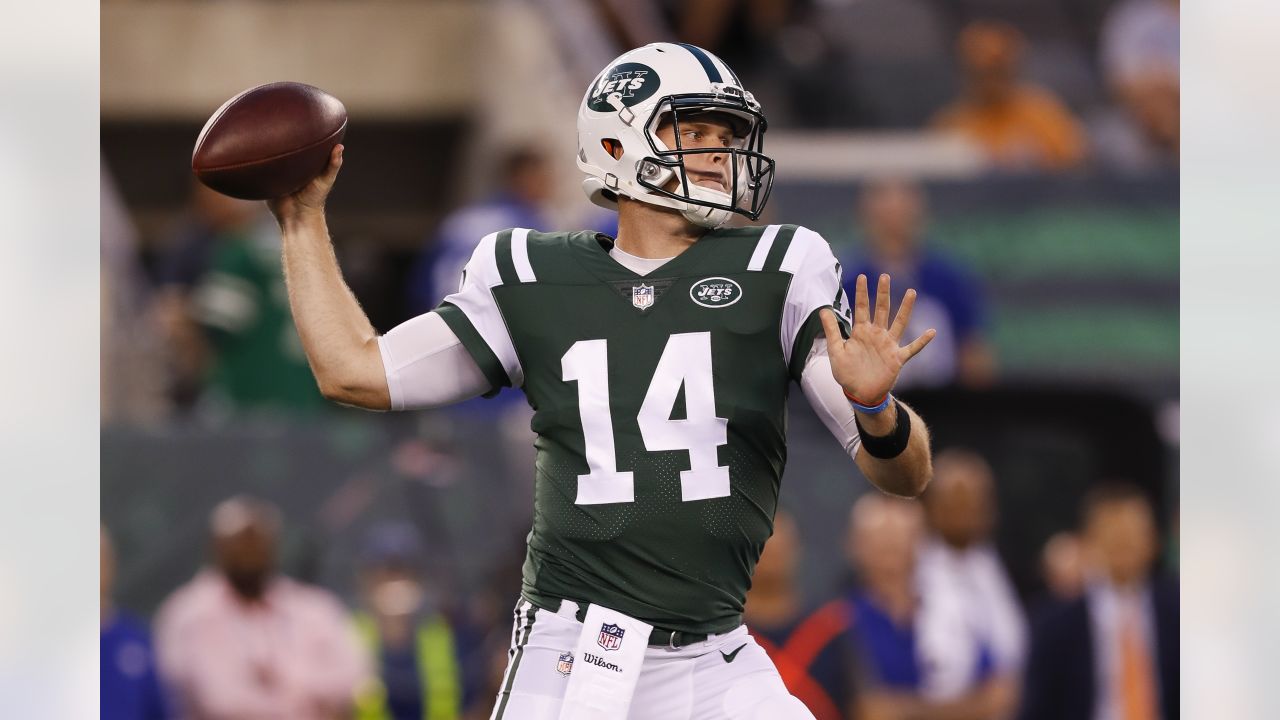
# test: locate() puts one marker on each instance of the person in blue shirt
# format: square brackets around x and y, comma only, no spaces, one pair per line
[950,298]
[130,686]
[892,668]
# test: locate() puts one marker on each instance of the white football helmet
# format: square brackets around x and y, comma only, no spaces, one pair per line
[623,108]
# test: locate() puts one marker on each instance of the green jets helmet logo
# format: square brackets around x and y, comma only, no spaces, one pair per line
[715,292]
[635,82]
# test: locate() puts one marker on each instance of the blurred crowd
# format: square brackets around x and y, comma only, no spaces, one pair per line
[926,626]
[1039,85]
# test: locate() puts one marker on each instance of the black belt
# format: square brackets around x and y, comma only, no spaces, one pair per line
[660,637]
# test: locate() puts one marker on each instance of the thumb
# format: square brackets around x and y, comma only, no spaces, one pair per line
[326,179]
[831,328]
[335,164]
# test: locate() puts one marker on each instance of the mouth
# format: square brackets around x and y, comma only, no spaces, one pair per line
[712,181]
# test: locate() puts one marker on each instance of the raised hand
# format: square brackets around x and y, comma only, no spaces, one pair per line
[867,364]
[310,199]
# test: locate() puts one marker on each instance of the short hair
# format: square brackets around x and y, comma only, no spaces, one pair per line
[958,458]
[1113,492]
[520,158]
[240,512]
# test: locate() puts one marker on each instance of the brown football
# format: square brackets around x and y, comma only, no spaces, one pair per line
[269,141]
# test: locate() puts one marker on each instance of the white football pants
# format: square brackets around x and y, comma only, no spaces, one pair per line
[725,677]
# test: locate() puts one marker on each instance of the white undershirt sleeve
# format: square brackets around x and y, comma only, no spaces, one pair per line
[827,399]
[427,366]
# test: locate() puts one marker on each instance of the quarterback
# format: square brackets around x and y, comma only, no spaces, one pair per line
[658,365]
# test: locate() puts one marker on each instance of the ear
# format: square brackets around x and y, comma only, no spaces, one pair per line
[613,147]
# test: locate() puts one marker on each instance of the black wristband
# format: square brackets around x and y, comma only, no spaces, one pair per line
[888,447]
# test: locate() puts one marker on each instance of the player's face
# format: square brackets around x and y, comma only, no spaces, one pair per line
[705,130]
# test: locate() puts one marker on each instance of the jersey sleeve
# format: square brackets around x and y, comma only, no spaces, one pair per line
[473,315]
[428,366]
[815,284]
[827,399]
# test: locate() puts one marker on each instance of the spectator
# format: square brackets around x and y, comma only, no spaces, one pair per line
[183,261]
[810,650]
[884,535]
[958,561]
[1141,40]
[525,185]
[1140,59]
[1021,127]
[411,643]
[132,356]
[1062,565]
[130,686]
[241,642]
[892,214]
[1113,652]
[227,311]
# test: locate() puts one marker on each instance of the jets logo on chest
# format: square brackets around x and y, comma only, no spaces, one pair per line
[715,292]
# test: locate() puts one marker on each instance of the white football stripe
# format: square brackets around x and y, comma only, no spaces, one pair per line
[762,247]
[520,255]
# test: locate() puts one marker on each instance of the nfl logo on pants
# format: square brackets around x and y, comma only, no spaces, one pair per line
[610,636]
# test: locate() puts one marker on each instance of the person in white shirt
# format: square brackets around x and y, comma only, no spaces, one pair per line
[958,563]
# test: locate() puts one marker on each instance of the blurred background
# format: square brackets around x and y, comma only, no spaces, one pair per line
[1014,160]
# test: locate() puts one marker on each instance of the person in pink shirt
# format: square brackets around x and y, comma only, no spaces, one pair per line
[239,642]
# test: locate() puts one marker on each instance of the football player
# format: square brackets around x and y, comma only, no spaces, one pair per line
[658,365]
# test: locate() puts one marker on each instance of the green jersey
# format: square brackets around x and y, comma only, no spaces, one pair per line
[659,406]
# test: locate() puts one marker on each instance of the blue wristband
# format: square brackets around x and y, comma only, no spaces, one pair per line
[870,409]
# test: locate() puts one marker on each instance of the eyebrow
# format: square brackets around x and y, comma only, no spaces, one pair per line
[705,124]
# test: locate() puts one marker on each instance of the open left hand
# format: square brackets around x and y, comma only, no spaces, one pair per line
[867,364]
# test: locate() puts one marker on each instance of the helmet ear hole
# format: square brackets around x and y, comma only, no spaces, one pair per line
[613,147]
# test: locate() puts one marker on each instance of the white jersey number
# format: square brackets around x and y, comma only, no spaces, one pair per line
[685,362]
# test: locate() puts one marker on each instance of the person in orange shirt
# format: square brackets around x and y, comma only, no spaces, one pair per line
[1019,126]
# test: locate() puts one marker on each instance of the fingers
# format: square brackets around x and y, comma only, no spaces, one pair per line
[861,313]
[335,164]
[903,317]
[882,301]
[908,352]
[832,329]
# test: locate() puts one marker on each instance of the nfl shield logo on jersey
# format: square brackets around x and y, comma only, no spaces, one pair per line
[642,296]
[610,635]
[565,664]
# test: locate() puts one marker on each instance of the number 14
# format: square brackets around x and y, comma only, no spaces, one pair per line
[686,361]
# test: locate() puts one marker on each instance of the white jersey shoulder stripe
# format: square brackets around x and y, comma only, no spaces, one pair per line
[814,283]
[520,255]
[475,299]
[762,247]
[802,242]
